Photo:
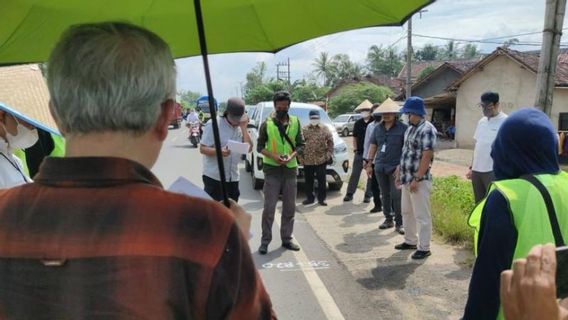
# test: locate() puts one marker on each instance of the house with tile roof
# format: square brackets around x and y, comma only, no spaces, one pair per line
[513,75]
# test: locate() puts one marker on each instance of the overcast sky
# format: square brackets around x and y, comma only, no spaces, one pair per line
[457,19]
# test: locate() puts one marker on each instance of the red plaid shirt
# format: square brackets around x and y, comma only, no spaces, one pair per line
[100,238]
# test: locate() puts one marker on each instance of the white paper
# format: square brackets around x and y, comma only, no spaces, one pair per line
[238,147]
[184,186]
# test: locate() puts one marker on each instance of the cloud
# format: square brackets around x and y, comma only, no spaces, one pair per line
[463,19]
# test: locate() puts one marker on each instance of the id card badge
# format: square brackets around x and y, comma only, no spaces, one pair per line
[384,148]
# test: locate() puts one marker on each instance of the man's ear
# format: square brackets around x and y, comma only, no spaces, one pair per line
[164,119]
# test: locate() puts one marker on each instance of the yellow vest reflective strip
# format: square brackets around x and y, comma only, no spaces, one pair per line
[277,144]
[529,212]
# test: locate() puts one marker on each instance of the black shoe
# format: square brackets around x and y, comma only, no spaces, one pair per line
[366,200]
[308,201]
[419,254]
[263,249]
[399,229]
[323,203]
[291,246]
[375,210]
[405,246]
[348,197]
[386,225]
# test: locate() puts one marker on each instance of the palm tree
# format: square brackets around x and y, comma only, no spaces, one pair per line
[451,50]
[323,67]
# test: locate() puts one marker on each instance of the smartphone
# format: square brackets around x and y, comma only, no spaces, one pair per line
[562,272]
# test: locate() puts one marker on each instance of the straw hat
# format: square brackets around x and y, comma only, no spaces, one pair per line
[364,105]
[388,106]
[24,94]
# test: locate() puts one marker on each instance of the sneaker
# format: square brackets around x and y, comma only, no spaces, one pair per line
[399,229]
[291,246]
[419,254]
[263,249]
[308,201]
[375,210]
[366,200]
[323,203]
[348,197]
[405,246]
[386,225]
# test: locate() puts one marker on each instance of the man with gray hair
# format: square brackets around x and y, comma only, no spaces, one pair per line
[96,235]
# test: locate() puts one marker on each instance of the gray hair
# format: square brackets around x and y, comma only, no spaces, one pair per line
[109,76]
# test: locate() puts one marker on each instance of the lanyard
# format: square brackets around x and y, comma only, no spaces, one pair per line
[15,167]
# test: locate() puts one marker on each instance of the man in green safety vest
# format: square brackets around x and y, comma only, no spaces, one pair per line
[48,145]
[280,141]
[526,205]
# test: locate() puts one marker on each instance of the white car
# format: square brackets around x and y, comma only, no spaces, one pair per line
[336,172]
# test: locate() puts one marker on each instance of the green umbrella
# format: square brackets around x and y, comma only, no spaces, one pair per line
[30,28]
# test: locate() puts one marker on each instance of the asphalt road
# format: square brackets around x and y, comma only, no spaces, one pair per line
[309,284]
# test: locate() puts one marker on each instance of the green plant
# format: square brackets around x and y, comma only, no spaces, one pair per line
[452,202]
[352,95]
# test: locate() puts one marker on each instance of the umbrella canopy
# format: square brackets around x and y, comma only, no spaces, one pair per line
[30,28]
[365,105]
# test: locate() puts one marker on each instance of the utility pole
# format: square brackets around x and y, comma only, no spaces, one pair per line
[285,73]
[409,52]
[409,60]
[545,83]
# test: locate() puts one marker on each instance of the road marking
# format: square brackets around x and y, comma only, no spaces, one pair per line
[325,300]
[297,266]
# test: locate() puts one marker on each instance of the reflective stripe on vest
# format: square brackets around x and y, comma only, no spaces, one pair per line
[277,144]
[528,211]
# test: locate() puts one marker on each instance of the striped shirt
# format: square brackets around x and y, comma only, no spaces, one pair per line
[100,238]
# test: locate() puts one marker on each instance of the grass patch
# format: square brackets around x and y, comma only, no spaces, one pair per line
[452,202]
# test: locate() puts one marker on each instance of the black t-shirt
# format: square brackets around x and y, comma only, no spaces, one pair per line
[359,129]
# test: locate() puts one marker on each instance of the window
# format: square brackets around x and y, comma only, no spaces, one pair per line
[563,121]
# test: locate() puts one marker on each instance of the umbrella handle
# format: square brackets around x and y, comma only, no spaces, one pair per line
[215,125]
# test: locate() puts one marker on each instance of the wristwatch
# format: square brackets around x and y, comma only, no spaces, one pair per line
[417,179]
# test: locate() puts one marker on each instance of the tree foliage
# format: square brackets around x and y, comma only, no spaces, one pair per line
[428,53]
[187,98]
[383,61]
[352,95]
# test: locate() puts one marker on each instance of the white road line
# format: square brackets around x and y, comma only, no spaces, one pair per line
[325,300]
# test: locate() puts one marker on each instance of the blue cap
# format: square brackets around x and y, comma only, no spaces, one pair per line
[414,105]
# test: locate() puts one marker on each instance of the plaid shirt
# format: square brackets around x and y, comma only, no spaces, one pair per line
[100,238]
[417,139]
[318,148]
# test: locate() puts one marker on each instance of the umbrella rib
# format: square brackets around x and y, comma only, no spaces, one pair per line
[263,29]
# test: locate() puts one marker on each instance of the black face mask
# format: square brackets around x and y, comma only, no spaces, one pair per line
[281,114]
[377,116]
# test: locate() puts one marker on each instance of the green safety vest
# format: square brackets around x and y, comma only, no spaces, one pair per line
[58,151]
[529,212]
[278,145]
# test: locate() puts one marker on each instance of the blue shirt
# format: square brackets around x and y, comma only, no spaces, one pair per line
[367,143]
[231,163]
[389,146]
[417,139]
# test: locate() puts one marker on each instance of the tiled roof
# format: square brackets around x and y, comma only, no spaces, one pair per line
[23,88]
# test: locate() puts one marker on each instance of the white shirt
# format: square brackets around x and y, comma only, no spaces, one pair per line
[367,142]
[192,117]
[485,134]
[11,169]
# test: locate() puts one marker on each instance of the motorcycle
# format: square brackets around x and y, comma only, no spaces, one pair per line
[194,133]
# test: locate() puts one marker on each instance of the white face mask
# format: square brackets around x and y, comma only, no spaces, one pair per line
[365,114]
[404,118]
[314,122]
[25,137]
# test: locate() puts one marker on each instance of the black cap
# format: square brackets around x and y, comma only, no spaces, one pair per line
[314,114]
[281,96]
[235,109]
[489,97]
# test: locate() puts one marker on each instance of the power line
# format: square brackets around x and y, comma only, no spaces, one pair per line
[478,41]
[517,35]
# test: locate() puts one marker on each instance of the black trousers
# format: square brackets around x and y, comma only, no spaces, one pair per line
[319,172]
[375,189]
[213,188]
